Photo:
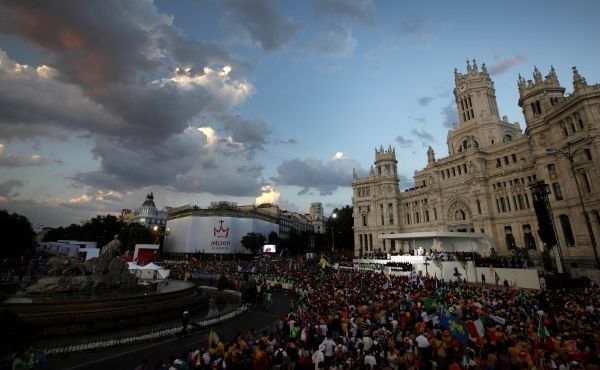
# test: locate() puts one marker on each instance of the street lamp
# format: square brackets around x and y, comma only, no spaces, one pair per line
[334,216]
[570,155]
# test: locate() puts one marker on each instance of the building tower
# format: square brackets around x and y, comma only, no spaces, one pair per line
[479,124]
[538,95]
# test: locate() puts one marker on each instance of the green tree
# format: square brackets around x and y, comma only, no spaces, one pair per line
[102,229]
[341,229]
[135,233]
[17,234]
[253,241]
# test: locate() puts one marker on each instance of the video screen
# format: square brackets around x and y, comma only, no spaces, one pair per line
[269,248]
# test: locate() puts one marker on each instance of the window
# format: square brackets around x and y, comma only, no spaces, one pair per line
[536,108]
[520,200]
[435,213]
[364,220]
[417,217]
[478,207]
[513,157]
[498,163]
[567,231]
[426,216]
[453,172]
[390,213]
[507,138]
[557,191]
[459,170]
[551,167]
[586,182]
[506,160]
[528,239]
[382,216]
[588,154]
[510,239]
[503,204]
[498,205]
[408,219]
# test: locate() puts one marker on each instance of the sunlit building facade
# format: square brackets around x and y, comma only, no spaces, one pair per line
[483,185]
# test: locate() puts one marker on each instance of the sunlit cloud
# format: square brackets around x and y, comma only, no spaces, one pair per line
[269,195]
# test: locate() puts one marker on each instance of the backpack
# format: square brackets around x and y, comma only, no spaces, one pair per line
[278,360]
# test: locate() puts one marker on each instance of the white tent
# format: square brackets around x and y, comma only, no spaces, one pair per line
[134,268]
[153,271]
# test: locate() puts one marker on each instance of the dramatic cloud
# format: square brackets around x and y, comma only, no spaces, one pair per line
[14,160]
[335,41]
[359,10]
[115,59]
[424,100]
[449,114]
[7,186]
[422,134]
[404,143]
[125,77]
[251,133]
[262,20]
[268,195]
[326,177]
[506,64]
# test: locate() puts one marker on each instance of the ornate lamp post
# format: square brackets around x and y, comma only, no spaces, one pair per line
[570,155]
[334,216]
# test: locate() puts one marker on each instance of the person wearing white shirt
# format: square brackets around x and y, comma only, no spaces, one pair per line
[370,361]
[329,350]
[318,357]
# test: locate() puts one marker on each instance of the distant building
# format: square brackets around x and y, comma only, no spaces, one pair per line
[484,184]
[220,227]
[316,218]
[148,215]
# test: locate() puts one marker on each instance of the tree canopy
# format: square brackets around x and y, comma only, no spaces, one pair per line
[342,228]
[253,241]
[17,233]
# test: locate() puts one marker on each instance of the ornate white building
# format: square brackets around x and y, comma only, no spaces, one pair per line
[148,215]
[483,185]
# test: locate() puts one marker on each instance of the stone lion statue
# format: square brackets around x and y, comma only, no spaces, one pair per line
[65,266]
[111,249]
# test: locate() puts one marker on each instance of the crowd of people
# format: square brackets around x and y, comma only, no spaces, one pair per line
[349,319]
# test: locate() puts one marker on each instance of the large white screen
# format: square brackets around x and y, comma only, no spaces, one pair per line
[195,234]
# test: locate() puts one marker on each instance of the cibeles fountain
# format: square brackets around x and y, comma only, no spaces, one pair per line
[106,272]
[82,301]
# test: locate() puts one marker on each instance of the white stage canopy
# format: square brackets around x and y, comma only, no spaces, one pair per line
[445,241]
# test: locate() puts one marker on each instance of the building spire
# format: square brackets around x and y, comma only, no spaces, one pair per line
[578,81]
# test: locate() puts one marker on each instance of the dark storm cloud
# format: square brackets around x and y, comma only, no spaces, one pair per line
[252,133]
[125,163]
[404,143]
[422,134]
[115,52]
[449,114]
[506,64]
[7,186]
[263,21]
[124,76]
[326,177]
[359,10]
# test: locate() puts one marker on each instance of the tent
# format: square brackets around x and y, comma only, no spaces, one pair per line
[153,271]
[134,268]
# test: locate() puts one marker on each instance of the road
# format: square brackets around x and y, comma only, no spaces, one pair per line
[127,357]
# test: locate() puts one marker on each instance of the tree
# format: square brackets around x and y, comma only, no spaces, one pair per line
[17,234]
[343,229]
[253,241]
[135,233]
[102,229]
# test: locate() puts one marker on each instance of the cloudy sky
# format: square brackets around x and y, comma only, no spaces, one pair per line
[102,102]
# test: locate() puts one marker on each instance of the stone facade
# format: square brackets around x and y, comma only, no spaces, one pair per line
[483,184]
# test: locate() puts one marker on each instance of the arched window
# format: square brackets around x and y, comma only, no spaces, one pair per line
[507,138]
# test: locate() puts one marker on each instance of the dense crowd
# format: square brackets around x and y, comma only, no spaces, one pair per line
[342,319]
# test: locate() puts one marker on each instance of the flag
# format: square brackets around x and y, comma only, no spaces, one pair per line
[496,277]
[324,262]
[476,329]
[428,303]
[212,337]
[542,331]
[455,326]
[498,319]
[386,273]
